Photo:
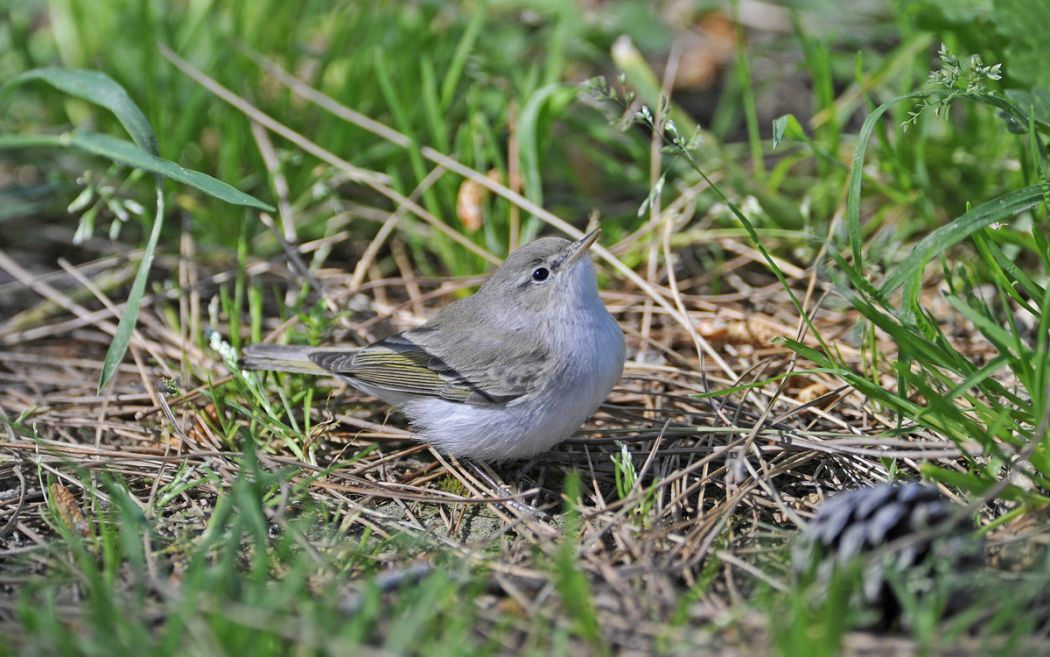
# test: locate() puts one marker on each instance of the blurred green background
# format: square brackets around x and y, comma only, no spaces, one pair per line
[463,77]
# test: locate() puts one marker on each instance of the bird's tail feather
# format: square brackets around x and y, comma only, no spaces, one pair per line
[283,358]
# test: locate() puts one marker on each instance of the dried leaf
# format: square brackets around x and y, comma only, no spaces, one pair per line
[811,392]
[470,204]
[706,51]
[68,509]
[198,432]
[757,330]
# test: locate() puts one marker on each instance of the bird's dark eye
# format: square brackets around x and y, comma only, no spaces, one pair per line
[540,274]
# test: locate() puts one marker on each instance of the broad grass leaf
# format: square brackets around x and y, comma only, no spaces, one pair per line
[125,152]
[940,240]
[98,88]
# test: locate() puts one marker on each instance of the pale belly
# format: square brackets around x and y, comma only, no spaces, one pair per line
[530,425]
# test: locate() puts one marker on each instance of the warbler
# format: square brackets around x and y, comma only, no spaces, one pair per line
[506,373]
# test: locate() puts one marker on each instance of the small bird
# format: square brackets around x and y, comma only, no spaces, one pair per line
[506,373]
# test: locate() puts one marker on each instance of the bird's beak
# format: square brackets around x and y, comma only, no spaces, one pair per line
[579,248]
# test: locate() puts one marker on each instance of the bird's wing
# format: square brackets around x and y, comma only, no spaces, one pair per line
[470,371]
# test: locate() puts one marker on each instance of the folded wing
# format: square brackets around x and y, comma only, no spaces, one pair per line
[472,371]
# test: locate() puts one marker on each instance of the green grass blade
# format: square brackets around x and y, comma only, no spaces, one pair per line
[10,142]
[744,387]
[119,346]
[437,120]
[856,175]
[98,88]
[947,236]
[997,335]
[1008,275]
[459,59]
[975,378]
[528,134]
[125,152]
[747,89]
[569,580]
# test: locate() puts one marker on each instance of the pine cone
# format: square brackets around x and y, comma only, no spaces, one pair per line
[855,524]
